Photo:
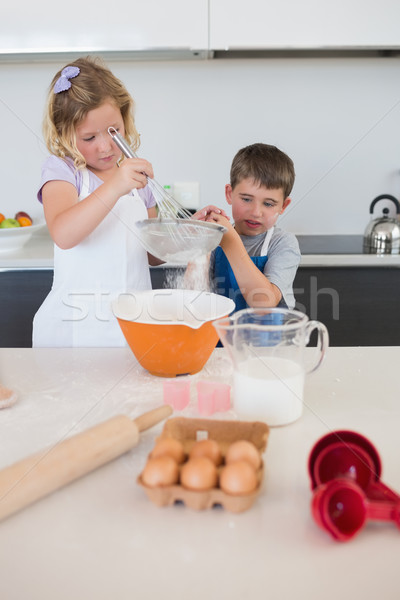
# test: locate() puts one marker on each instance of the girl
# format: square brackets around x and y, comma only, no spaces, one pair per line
[91,198]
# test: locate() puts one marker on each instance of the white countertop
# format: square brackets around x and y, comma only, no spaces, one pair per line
[350,260]
[101,538]
[38,254]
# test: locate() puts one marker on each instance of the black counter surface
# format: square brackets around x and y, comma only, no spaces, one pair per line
[330,244]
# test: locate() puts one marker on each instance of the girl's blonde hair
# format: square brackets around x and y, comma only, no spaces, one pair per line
[94,85]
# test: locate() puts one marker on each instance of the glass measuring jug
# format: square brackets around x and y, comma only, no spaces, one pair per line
[267,347]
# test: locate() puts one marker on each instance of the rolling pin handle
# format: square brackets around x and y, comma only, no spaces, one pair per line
[152,417]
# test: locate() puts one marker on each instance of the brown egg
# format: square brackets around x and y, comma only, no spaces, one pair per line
[160,471]
[238,478]
[243,450]
[169,447]
[208,448]
[199,474]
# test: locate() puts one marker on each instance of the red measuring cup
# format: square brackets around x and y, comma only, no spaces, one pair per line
[345,473]
[342,508]
[349,455]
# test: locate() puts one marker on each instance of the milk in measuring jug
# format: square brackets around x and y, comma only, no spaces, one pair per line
[269,389]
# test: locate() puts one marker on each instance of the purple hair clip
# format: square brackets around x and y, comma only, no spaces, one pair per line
[62,84]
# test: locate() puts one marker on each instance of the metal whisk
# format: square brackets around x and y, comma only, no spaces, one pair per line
[174,236]
[168,207]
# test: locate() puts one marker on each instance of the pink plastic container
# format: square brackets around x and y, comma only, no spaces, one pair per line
[177,393]
[213,397]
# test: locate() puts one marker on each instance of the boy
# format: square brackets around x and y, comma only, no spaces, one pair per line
[256,262]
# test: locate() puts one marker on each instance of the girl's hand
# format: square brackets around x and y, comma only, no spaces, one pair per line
[204,213]
[132,173]
[70,221]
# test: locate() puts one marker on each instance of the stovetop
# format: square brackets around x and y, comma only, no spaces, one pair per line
[330,244]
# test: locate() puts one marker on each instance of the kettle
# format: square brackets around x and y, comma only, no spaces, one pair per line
[382,235]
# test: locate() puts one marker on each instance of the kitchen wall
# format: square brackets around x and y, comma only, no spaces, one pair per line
[338,118]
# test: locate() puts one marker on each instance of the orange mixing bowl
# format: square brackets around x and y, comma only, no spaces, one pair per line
[170,332]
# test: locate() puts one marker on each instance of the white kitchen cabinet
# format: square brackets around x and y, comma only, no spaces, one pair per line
[126,26]
[304,24]
[196,27]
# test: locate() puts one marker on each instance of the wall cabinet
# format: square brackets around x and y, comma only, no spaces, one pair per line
[356,311]
[129,25]
[303,24]
[197,27]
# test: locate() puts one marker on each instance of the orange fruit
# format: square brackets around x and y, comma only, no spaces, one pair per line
[24,221]
[2,217]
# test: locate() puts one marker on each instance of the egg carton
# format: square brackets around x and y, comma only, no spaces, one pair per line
[188,432]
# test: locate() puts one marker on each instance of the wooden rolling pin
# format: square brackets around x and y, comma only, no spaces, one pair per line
[34,477]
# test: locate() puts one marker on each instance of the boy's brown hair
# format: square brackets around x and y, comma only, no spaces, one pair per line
[266,165]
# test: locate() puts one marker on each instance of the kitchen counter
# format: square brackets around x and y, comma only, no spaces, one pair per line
[340,251]
[101,537]
[317,251]
[38,253]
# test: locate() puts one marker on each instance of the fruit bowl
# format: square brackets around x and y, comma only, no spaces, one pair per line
[13,238]
[170,332]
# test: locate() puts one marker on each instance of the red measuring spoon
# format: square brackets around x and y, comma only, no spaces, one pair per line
[342,508]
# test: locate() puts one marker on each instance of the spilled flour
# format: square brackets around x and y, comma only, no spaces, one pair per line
[194,277]
[7,397]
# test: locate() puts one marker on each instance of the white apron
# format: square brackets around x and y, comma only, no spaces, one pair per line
[265,246]
[111,260]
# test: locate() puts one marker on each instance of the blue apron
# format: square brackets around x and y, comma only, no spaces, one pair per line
[225,280]
[226,285]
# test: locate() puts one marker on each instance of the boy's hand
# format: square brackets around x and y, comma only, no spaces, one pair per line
[230,235]
[204,213]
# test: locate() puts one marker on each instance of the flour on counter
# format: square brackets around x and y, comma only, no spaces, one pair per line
[7,397]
